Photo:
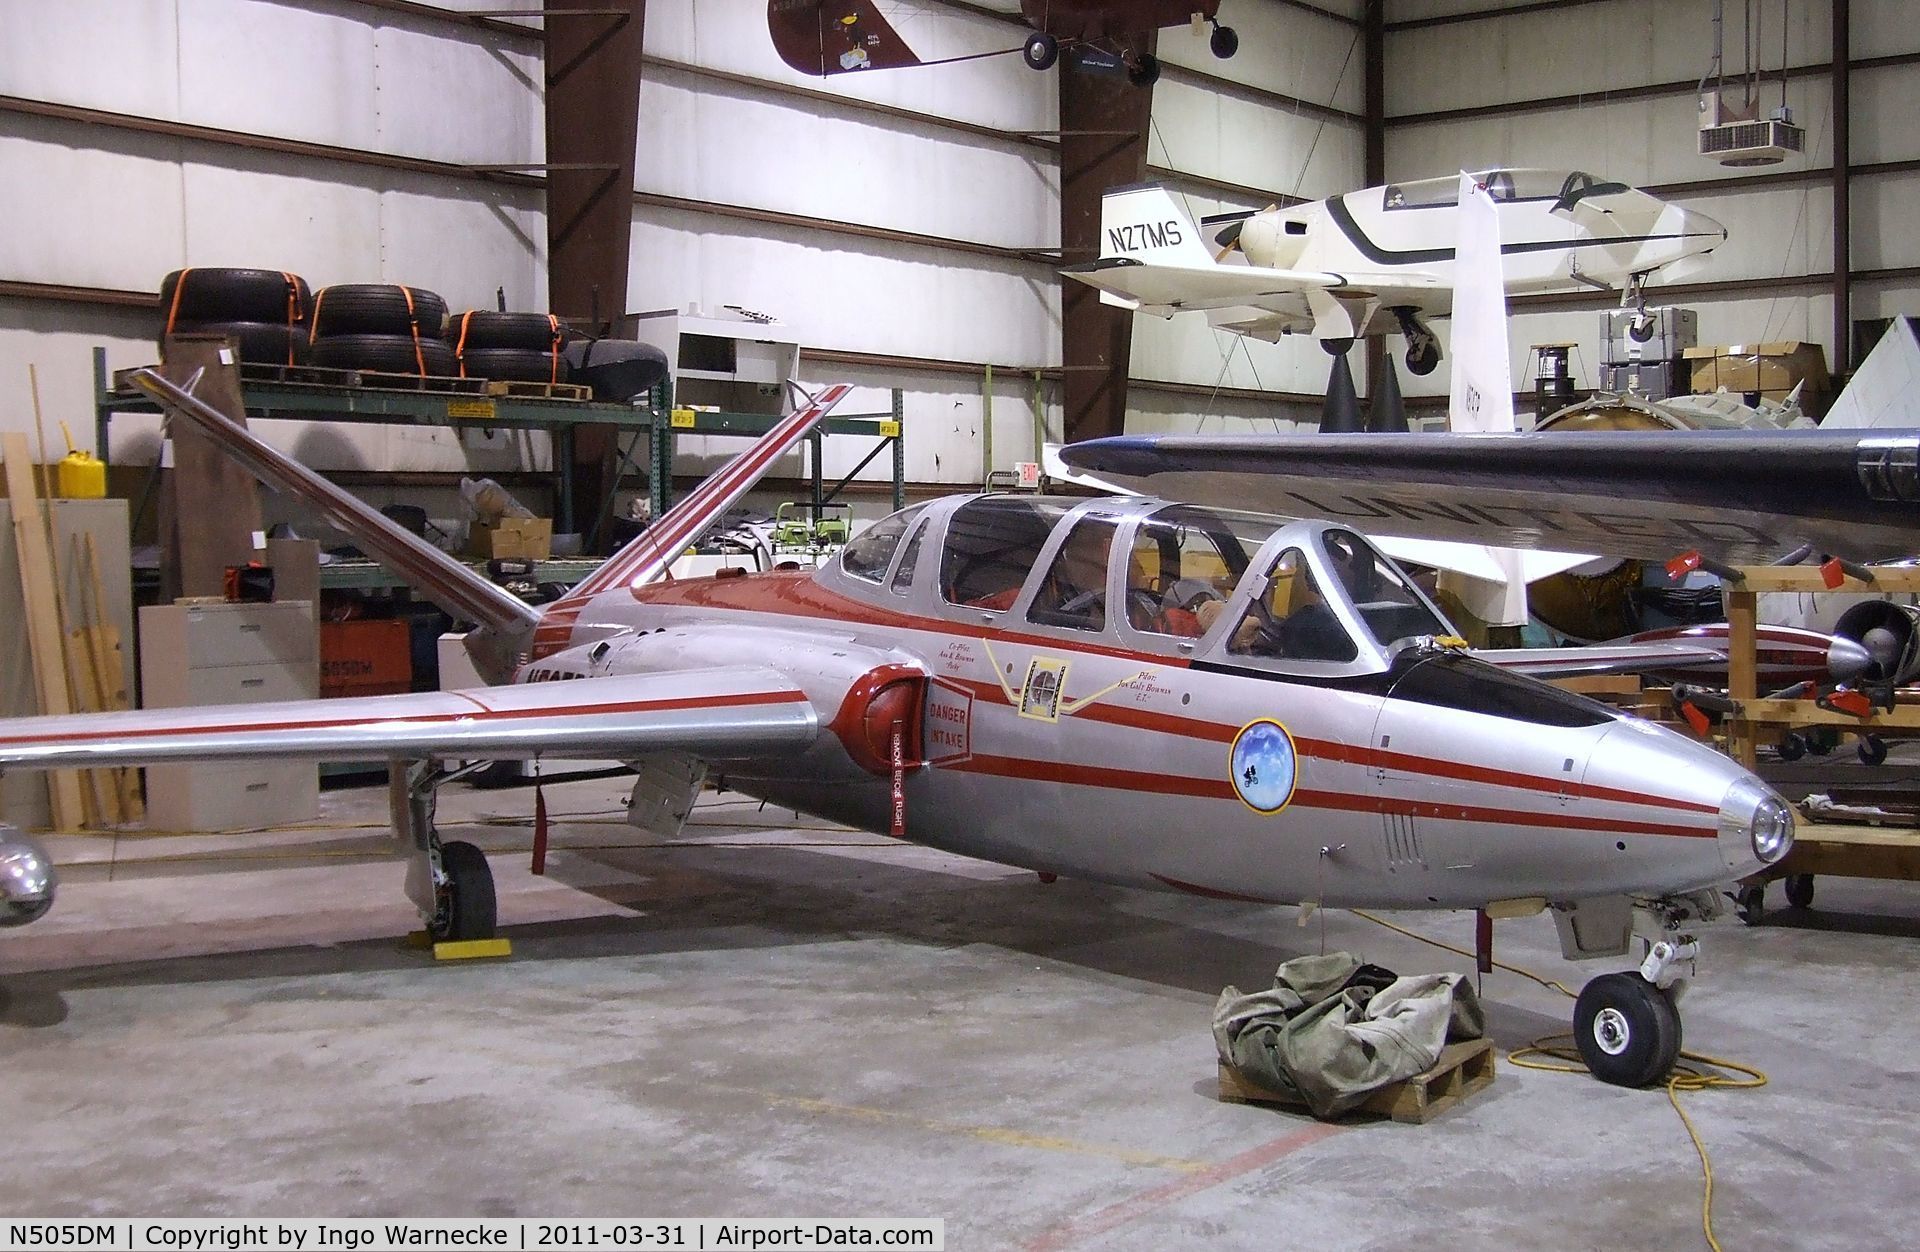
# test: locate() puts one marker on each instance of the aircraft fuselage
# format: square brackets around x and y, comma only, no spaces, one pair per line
[1440,782]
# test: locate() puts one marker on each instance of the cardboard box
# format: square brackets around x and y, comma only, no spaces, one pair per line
[1772,369]
[512,538]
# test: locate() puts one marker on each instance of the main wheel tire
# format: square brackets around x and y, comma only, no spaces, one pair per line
[268,343]
[1800,890]
[1145,72]
[470,911]
[1751,903]
[1872,750]
[1040,51]
[484,328]
[1627,1030]
[1225,41]
[234,295]
[522,364]
[393,354]
[378,309]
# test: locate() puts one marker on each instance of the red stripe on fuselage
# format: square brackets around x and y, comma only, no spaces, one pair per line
[1138,781]
[799,594]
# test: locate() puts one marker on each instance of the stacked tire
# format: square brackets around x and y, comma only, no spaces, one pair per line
[381,326]
[521,347]
[266,312]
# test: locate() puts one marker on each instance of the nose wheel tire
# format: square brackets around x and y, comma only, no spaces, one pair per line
[1040,51]
[1751,903]
[1800,890]
[467,909]
[1627,1030]
[1792,747]
[1873,750]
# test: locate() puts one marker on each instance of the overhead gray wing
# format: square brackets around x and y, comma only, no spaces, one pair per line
[1745,496]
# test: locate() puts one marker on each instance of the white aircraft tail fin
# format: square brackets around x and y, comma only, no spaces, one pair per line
[1146,223]
[1482,396]
[1885,389]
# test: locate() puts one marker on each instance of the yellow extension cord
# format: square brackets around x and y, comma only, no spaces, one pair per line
[1684,1077]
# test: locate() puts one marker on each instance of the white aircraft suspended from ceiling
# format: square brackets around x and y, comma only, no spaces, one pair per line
[1374,261]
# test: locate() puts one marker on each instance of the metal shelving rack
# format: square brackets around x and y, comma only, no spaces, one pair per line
[887,427]
[659,422]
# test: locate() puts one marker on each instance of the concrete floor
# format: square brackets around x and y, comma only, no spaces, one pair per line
[772,1018]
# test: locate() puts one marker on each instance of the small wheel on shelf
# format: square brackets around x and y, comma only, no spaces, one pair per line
[1800,890]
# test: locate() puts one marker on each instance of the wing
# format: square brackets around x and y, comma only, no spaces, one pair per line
[1168,289]
[721,712]
[1737,495]
[822,37]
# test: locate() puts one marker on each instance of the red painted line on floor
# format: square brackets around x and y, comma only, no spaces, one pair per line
[1134,1207]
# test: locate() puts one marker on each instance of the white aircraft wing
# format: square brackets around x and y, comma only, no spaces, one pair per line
[1739,495]
[711,713]
[1168,289]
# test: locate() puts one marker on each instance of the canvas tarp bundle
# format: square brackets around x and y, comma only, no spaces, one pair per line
[1334,1029]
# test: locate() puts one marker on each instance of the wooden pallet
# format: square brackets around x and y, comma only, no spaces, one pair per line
[1463,1068]
[383,381]
[521,389]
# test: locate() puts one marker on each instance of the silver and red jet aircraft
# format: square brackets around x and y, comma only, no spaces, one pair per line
[1137,691]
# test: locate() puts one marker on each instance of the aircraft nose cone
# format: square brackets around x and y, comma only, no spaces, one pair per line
[1847,660]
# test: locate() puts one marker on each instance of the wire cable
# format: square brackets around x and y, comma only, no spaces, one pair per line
[1690,1074]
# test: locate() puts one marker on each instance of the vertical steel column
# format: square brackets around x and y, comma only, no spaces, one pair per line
[899,451]
[1096,340]
[1842,192]
[592,120]
[1373,47]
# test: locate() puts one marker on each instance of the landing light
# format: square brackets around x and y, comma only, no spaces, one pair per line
[1755,821]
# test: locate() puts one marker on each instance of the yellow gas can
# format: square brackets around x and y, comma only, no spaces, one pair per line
[80,475]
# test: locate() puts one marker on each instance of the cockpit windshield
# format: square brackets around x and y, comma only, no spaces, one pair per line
[1309,607]
[1184,565]
[992,543]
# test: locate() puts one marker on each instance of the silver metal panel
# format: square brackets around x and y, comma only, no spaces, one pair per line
[714,712]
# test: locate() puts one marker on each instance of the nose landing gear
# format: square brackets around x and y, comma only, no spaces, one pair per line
[1627,1030]
[1626,1025]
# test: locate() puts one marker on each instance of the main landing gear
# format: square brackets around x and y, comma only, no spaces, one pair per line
[450,883]
[1423,346]
[1626,1026]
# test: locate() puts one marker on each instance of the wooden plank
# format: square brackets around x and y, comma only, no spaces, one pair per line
[1804,578]
[1742,671]
[210,506]
[1463,1068]
[1807,713]
[111,673]
[44,638]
